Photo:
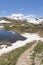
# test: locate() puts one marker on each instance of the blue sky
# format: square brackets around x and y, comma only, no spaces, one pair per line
[27,7]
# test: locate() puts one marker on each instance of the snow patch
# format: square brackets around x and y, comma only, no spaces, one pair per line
[30,37]
[1,26]
[28,18]
[3,21]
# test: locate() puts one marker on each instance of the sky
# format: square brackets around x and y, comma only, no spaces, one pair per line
[26,7]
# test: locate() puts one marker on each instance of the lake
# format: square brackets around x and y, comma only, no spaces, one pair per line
[10,36]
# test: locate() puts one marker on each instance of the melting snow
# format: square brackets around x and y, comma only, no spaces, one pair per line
[30,37]
[29,18]
[1,26]
[3,21]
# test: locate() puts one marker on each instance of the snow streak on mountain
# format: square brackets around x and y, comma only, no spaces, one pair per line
[28,18]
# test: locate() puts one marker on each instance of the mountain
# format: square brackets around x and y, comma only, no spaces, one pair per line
[28,18]
[20,23]
[29,27]
[21,17]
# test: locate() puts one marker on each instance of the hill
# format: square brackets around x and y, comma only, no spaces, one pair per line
[23,24]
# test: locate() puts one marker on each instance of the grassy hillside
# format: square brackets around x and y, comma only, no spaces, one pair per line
[11,57]
[21,26]
[38,54]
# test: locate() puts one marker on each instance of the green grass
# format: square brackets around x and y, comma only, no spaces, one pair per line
[17,26]
[39,47]
[37,50]
[22,29]
[42,61]
[11,57]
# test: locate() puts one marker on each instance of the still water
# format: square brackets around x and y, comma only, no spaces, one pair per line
[10,36]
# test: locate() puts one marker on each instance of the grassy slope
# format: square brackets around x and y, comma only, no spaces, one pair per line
[11,57]
[38,49]
[22,26]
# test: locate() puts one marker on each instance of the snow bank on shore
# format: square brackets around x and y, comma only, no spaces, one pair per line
[3,21]
[1,26]
[30,37]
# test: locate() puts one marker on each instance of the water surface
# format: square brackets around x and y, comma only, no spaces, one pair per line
[10,36]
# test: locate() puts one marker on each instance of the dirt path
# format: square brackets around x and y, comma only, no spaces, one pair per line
[25,58]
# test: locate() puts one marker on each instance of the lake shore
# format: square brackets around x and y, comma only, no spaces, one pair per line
[30,37]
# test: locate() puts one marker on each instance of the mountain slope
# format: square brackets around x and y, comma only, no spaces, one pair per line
[22,26]
[28,18]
